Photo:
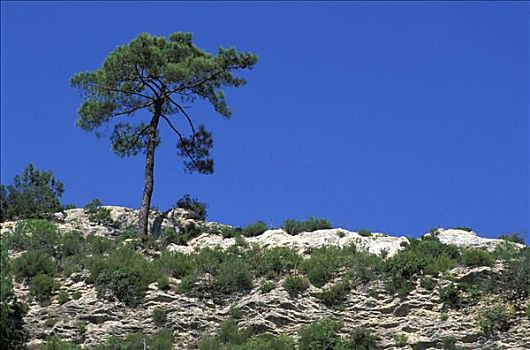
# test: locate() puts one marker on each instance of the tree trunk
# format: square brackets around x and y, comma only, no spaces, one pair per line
[143,219]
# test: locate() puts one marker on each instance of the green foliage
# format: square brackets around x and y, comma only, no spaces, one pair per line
[73,244]
[33,263]
[176,264]
[34,234]
[158,74]
[275,261]
[334,294]
[294,227]
[159,315]
[254,229]
[98,214]
[512,237]
[42,287]
[516,278]
[365,233]
[267,286]
[34,194]
[477,257]
[163,282]
[528,311]
[450,296]
[464,228]
[493,319]
[100,245]
[295,285]
[449,343]
[401,340]
[162,340]
[62,297]
[325,262]
[321,335]
[55,343]
[12,312]
[194,205]
[361,339]
[77,295]
[424,255]
[124,272]
[427,282]
[50,322]
[232,275]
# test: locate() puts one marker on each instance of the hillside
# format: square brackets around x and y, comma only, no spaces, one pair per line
[89,281]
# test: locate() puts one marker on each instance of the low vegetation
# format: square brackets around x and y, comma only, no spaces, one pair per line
[294,227]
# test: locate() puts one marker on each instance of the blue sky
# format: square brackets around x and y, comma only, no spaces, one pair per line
[396,117]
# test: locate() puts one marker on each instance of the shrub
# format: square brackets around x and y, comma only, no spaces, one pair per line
[159,315]
[322,266]
[528,311]
[464,228]
[12,312]
[516,278]
[100,245]
[33,263]
[55,343]
[361,339]
[34,194]
[163,282]
[493,319]
[295,285]
[450,296]
[62,297]
[35,234]
[321,335]
[267,286]
[254,229]
[124,272]
[98,214]
[513,237]
[477,257]
[162,340]
[294,227]
[175,264]
[427,282]
[187,283]
[193,204]
[232,275]
[334,294]
[274,262]
[401,340]
[50,322]
[267,342]
[73,244]
[449,343]
[364,267]
[365,233]
[77,295]
[42,287]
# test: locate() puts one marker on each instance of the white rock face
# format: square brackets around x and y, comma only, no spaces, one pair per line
[466,239]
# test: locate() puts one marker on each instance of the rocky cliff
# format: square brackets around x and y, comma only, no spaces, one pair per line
[423,317]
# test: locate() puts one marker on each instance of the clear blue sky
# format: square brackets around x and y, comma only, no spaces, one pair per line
[396,117]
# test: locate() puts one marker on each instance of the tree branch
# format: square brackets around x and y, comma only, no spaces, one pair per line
[140,134]
[181,139]
[132,109]
[123,91]
[157,94]
[185,114]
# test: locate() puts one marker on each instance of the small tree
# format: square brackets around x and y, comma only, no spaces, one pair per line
[34,194]
[160,76]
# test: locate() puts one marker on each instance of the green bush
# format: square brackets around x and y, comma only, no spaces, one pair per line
[516,278]
[323,335]
[193,204]
[98,214]
[73,244]
[254,229]
[322,266]
[176,264]
[295,285]
[267,286]
[361,339]
[33,263]
[100,245]
[274,262]
[42,287]
[401,340]
[513,237]
[163,282]
[77,295]
[365,233]
[294,227]
[449,343]
[35,234]
[334,294]
[55,343]
[427,282]
[232,275]
[364,267]
[162,340]
[464,228]
[493,319]
[450,296]
[124,272]
[12,331]
[477,257]
[159,315]
[34,194]
[528,311]
[62,297]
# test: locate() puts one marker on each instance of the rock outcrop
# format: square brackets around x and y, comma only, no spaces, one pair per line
[420,315]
